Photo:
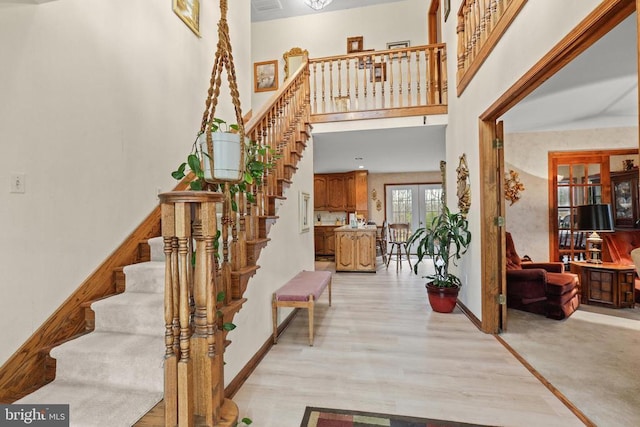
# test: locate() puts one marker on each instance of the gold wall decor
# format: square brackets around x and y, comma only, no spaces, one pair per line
[189,12]
[293,59]
[378,205]
[464,188]
[374,194]
[512,186]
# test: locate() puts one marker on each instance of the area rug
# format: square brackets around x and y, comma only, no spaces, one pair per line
[324,417]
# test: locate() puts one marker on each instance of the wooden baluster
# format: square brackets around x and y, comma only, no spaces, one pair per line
[331,96]
[349,82]
[392,58]
[339,84]
[324,105]
[356,80]
[170,356]
[185,379]
[226,224]
[400,97]
[444,86]
[418,79]
[461,47]
[409,94]
[315,87]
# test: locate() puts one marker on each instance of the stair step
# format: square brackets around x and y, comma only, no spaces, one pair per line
[130,312]
[156,248]
[112,358]
[264,224]
[240,280]
[95,405]
[145,277]
[254,247]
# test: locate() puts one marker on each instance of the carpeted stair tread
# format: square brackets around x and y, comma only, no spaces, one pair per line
[112,359]
[131,312]
[157,248]
[145,277]
[96,406]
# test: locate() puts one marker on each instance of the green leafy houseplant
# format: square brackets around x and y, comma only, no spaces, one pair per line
[254,167]
[445,241]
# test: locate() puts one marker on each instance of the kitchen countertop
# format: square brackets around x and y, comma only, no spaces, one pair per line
[362,228]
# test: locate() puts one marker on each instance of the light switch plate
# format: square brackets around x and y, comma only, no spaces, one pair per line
[18,183]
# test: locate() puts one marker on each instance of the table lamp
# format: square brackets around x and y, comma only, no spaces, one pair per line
[594,218]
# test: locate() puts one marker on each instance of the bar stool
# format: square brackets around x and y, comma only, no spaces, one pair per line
[398,237]
[381,241]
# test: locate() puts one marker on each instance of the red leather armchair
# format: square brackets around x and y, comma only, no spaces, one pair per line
[541,288]
[617,248]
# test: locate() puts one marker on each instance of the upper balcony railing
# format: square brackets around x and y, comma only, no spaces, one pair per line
[481,24]
[377,84]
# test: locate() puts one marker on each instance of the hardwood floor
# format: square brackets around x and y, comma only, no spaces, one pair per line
[380,348]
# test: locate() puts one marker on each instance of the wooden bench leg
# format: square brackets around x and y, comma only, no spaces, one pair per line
[310,309]
[274,314]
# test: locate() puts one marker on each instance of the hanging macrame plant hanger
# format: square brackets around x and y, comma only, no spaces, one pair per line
[215,151]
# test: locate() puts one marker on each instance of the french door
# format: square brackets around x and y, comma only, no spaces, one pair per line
[416,204]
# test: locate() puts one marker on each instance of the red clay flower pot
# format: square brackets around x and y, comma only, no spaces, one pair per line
[442,300]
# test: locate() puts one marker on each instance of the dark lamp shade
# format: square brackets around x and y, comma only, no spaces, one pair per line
[594,217]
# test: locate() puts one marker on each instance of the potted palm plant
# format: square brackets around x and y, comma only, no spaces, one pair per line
[444,241]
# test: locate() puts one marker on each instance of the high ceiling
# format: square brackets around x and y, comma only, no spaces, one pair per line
[265,10]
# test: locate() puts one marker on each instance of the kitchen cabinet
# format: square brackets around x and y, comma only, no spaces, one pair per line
[341,192]
[336,192]
[320,192]
[624,192]
[356,249]
[324,240]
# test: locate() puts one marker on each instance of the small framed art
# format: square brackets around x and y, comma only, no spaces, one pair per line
[265,76]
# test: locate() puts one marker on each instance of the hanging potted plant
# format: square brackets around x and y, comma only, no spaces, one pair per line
[444,241]
[221,152]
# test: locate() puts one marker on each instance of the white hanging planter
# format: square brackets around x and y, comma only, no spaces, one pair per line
[225,161]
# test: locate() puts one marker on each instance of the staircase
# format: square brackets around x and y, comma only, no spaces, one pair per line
[113,375]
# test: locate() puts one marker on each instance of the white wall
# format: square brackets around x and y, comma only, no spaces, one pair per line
[325,34]
[101,100]
[528,218]
[548,21]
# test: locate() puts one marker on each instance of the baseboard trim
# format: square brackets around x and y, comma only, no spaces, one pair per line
[252,364]
[470,315]
[557,393]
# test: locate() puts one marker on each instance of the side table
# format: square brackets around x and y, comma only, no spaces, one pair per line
[607,284]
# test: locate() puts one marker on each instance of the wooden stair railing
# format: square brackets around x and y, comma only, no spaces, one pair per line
[481,24]
[379,84]
[201,300]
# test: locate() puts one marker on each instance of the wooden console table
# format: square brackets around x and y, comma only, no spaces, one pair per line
[607,284]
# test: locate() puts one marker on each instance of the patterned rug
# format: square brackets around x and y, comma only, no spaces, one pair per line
[323,417]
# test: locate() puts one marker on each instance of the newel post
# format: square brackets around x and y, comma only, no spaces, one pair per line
[194,346]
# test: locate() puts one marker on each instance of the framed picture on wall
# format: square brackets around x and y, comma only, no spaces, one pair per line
[305,212]
[189,12]
[265,76]
[355,44]
[379,72]
[447,9]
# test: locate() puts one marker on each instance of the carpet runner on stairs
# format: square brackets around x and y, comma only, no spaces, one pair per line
[112,376]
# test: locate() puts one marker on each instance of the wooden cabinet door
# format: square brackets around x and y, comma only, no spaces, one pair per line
[319,192]
[624,193]
[350,185]
[318,241]
[345,251]
[336,197]
[362,193]
[366,251]
[330,242]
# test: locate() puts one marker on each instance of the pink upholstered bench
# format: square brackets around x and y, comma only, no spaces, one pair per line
[301,292]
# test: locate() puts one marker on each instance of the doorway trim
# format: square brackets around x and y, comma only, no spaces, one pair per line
[604,17]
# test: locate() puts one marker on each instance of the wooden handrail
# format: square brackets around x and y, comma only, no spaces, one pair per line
[393,82]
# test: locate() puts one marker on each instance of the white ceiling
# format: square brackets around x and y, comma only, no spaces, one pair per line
[265,10]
